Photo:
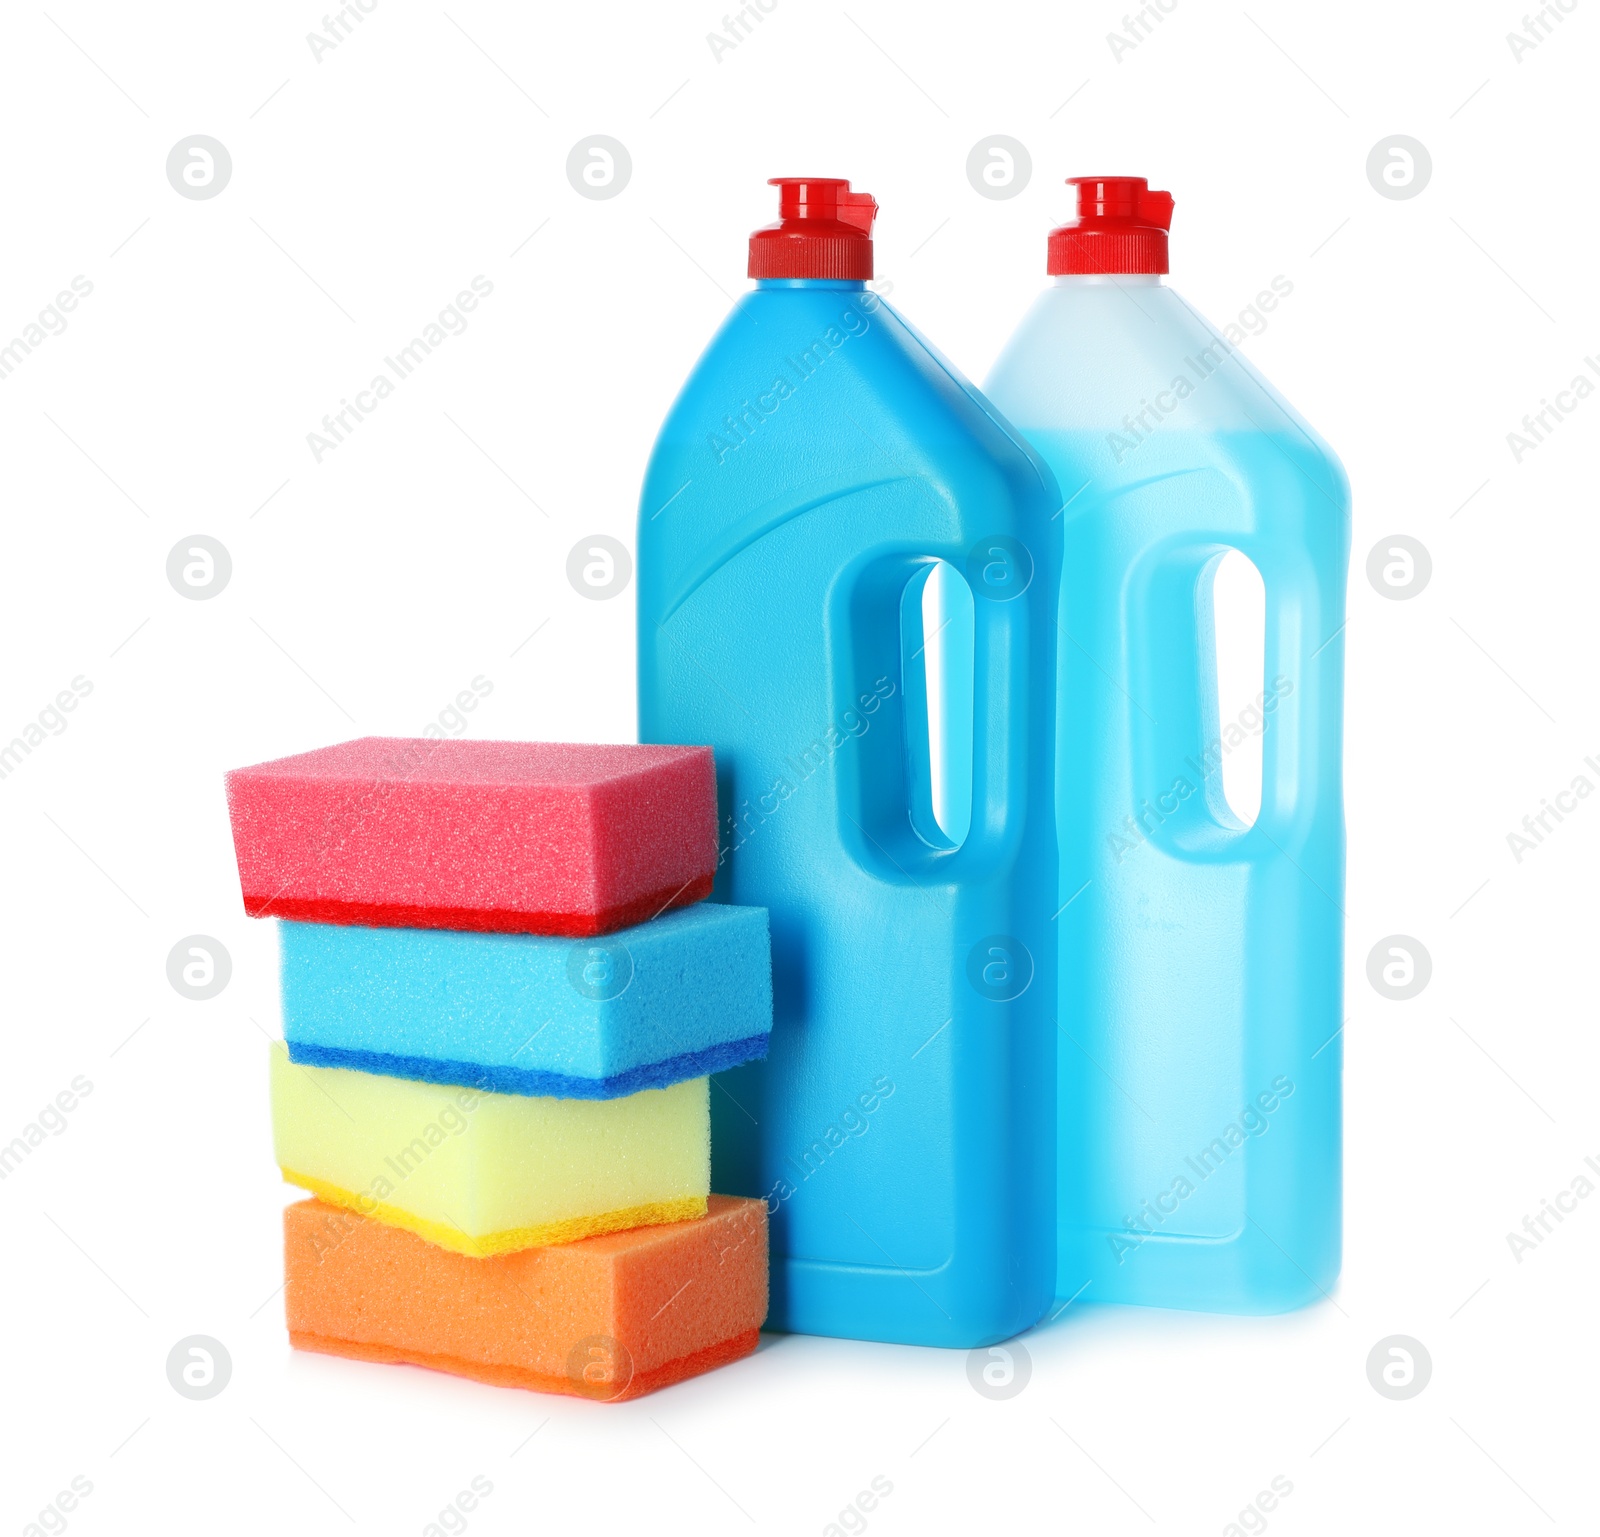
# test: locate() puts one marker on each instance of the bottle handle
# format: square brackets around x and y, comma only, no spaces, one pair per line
[1303,681]
[887,819]
[1179,743]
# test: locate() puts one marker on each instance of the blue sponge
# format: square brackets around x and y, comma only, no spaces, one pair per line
[685,995]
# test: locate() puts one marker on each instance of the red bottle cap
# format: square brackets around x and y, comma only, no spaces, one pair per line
[824,230]
[1122,227]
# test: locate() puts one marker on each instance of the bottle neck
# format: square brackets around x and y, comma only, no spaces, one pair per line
[850,285]
[1108,280]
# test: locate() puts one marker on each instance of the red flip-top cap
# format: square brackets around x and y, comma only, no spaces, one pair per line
[824,230]
[1122,227]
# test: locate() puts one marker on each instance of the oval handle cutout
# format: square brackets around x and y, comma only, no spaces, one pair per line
[937,647]
[1238,603]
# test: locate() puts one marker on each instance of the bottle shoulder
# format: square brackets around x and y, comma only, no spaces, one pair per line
[798,378]
[1117,385]
[1106,356]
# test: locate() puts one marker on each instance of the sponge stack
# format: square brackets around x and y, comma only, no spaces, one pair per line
[505,1128]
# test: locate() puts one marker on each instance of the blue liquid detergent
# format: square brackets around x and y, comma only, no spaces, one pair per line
[1200,958]
[820,461]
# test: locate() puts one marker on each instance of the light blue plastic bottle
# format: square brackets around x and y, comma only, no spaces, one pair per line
[820,462]
[1200,959]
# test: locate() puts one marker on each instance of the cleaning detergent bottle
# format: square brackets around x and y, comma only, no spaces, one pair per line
[821,470]
[1200,952]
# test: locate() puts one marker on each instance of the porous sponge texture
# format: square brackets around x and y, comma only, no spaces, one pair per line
[686,995]
[523,837]
[609,1317]
[483,1173]
[504,1079]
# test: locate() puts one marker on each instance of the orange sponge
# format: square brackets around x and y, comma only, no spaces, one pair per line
[610,1317]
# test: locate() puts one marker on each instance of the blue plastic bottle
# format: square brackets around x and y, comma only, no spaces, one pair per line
[1200,959]
[820,461]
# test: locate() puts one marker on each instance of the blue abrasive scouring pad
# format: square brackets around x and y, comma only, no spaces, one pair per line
[679,997]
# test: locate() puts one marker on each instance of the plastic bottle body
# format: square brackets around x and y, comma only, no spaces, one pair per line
[1199,1088]
[820,459]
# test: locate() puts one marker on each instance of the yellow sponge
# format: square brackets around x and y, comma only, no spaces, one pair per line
[483,1173]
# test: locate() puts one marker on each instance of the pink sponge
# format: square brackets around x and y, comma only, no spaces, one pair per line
[519,837]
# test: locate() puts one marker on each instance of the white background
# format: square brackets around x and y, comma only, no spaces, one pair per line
[369,589]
